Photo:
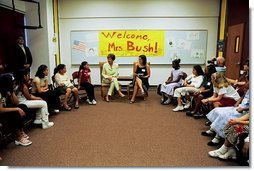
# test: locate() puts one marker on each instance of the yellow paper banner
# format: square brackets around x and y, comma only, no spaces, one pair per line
[131,43]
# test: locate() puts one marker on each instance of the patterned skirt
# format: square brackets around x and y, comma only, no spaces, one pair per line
[232,132]
[220,116]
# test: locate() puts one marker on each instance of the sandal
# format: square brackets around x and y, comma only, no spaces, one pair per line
[143,95]
[121,95]
[107,99]
[76,106]
[131,102]
[67,108]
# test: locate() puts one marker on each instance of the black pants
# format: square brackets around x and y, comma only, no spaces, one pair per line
[242,160]
[52,99]
[89,90]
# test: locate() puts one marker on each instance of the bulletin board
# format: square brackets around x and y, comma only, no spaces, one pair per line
[160,46]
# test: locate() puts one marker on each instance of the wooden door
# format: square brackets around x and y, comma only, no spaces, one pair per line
[8,33]
[234,50]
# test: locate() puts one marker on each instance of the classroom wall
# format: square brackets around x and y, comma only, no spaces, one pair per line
[137,14]
[40,40]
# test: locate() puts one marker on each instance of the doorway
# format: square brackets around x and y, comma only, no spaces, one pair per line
[9,31]
[234,50]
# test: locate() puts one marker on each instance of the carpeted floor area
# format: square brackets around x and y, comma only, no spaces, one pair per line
[117,134]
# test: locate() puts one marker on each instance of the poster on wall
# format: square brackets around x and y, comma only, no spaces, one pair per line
[160,46]
[131,43]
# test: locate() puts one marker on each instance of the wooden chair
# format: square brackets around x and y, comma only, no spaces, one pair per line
[61,96]
[81,92]
[104,86]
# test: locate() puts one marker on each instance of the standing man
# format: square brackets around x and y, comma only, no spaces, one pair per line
[22,58]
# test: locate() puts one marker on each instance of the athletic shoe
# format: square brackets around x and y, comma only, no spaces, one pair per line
[88,101]
[23,142]
[178,108]
[56,110]
[37,121]
[167,101]
[94,102]
[46,125]
[215,153]
[230,154]
[187,105]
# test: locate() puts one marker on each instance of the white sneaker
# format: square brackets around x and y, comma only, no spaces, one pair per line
[88,101]
[56,110]
[23,142]
[187,105]
[167,101]
[94,102]
[46,125]
[178,108]
[162,99]
[37,121]
[230,154]
[215,153]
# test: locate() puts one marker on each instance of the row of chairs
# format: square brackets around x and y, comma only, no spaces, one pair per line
[104,86]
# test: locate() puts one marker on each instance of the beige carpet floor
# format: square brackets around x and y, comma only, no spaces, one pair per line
[117,133]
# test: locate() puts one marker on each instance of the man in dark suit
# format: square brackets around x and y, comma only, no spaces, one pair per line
[22,58]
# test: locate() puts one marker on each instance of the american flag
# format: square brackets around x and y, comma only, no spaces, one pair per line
[78,45]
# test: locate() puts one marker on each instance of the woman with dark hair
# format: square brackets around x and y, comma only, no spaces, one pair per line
[31,101]
[174,80]
[109,76]
[205,91]
[16,114]
[64,86]
[141,73]
[40,88]
[84,80]
[191,85]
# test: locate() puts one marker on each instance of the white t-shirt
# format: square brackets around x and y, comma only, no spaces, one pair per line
[195,81]
[20,95]
[41,81]
[228,92]
[63,79]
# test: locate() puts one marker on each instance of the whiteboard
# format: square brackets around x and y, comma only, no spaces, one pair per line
[188,45]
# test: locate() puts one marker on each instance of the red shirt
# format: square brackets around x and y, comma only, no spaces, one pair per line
[85,75]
